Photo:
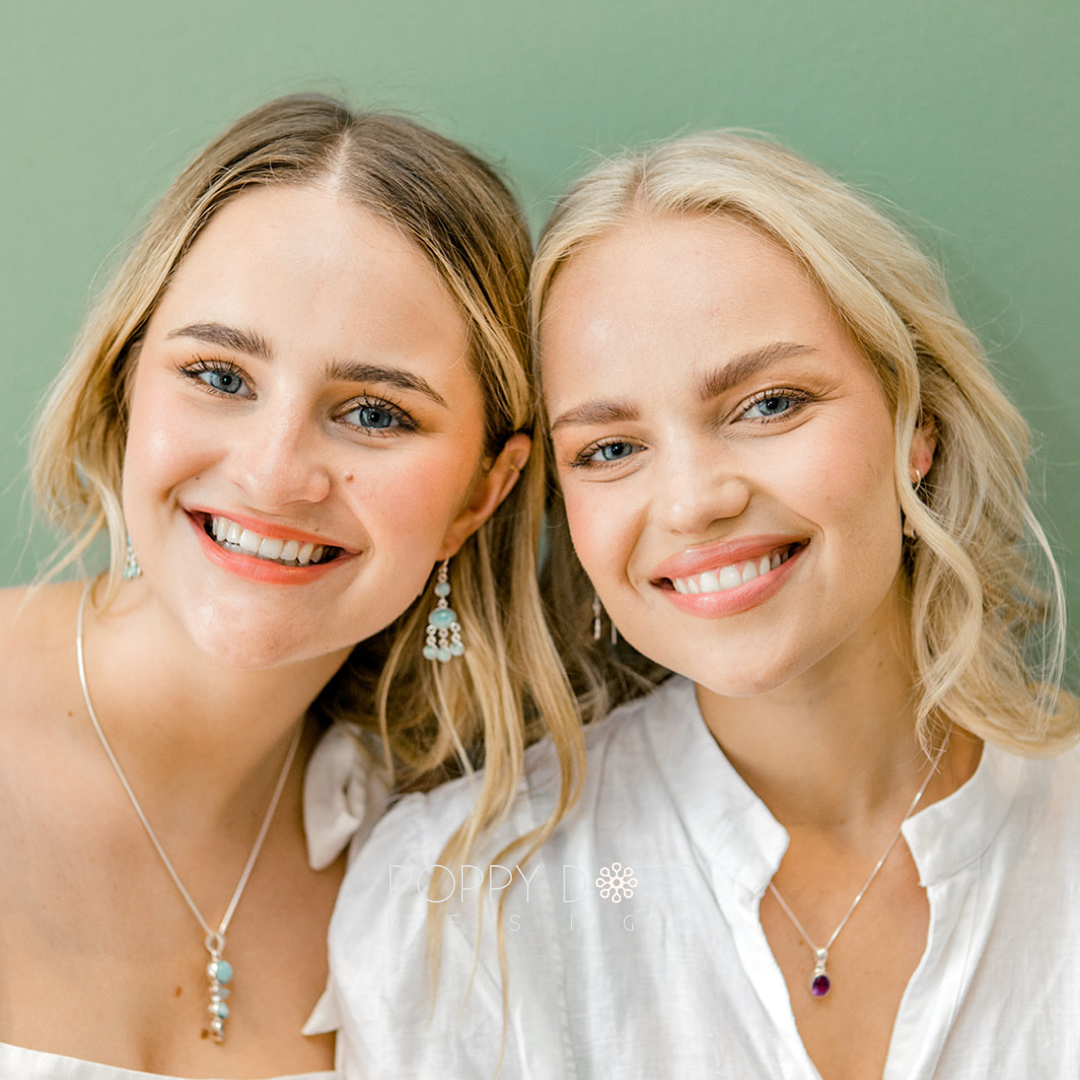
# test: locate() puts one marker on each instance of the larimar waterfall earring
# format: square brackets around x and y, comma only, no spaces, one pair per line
[443,630]
[132,569]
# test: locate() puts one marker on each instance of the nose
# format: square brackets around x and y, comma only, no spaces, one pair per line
[279,459]
[697,486]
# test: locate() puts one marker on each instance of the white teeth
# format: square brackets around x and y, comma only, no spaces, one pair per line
[728,577]
[274,549]
[271,549]
[250,542]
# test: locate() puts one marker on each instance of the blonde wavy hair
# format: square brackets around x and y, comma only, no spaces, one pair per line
[426,721]
[988,626]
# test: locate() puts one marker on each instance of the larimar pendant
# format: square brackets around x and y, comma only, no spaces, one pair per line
[219,972]
[820,983]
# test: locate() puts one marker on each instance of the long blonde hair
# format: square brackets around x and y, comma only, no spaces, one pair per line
[427,721]
[988,637]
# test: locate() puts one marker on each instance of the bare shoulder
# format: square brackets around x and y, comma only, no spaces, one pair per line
[37,643]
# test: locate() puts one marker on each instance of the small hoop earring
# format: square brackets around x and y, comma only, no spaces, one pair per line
[598,610]
[918,477]
[132,569]
[443,630]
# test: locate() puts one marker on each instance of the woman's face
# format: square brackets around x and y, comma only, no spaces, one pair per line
[725,451]
[306,432]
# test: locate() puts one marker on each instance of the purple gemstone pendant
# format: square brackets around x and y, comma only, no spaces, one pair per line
[820,983]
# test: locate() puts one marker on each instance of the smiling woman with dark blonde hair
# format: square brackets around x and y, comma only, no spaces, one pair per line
[301,415]
[826,846]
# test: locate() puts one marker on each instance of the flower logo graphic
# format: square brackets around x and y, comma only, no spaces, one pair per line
[617,882]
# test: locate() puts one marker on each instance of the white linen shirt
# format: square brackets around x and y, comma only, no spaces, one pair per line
[677,979]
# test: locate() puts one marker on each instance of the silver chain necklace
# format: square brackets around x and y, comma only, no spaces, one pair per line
[219,971]
[820,982]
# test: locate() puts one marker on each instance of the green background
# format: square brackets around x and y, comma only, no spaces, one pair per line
[962,112]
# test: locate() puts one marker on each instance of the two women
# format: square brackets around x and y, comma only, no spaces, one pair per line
[301,417]
[789,478]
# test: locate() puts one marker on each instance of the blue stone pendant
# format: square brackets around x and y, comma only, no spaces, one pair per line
[219,972]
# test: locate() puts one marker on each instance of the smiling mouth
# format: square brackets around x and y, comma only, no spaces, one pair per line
[725,578]
[231,536]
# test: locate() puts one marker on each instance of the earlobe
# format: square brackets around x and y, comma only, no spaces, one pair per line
[923,445]
[488,492]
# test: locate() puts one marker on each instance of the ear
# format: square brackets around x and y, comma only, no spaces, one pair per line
[488,491]
[923,445]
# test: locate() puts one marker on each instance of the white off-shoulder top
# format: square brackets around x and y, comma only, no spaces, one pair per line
[343,798]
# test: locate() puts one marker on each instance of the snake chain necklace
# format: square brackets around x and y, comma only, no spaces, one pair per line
[820,981]
[219,971]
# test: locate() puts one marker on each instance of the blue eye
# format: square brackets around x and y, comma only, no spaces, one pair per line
[380,417]
[224,381]
[771,405]
[609,453]
[371,417]
[614,451]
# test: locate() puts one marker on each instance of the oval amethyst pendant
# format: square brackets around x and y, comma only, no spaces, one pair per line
[820,983]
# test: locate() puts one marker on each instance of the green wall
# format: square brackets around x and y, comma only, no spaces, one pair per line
[963,112]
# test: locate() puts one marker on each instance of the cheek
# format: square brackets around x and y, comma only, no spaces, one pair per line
[164,446]
[600,528]
[411,503]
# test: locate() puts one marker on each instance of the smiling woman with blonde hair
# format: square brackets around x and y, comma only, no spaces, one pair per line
[301,418]
[787,476]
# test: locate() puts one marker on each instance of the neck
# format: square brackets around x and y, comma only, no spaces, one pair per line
[188,731]
[836,748]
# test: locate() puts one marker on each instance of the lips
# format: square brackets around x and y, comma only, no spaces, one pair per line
[733,574]
[232,536]
[265,552]
[729,577]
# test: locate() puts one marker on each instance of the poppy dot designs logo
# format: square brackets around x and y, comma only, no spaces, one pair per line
[617,882]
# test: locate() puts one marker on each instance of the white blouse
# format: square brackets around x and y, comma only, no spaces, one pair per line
[343,798]
[634,944]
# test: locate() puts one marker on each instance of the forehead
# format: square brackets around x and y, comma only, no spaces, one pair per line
[679,289]
[311,271]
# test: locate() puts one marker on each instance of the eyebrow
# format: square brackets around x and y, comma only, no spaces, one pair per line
[228,337]
[720,380]
[358,371]
[712,385]
[597,412]
[253,344]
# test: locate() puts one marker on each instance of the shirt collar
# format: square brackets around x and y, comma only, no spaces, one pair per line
[726,821]
[956,830]
[736,833]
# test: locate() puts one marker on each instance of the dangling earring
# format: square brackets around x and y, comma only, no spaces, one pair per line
[909,529]
[132,569]
[597,611]
[443,629]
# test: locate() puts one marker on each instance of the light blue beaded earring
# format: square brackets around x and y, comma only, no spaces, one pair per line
[443,629]
[132,569]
